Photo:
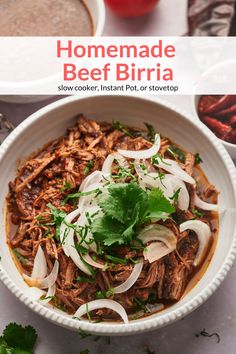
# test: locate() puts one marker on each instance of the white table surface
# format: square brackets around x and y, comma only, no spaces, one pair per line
[218,314]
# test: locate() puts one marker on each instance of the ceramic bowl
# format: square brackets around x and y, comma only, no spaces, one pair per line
[52,121]
[98,15]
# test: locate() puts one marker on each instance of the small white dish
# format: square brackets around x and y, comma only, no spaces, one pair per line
[52,121]
[98,14]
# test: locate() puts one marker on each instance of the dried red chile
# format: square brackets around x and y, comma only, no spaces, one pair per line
[219,114]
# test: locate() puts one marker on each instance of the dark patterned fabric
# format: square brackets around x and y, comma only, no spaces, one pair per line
[210,17]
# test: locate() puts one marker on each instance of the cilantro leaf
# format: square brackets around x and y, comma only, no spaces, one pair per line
[158,205]
[121,202]
[126,207]
[17,339]
[107,230]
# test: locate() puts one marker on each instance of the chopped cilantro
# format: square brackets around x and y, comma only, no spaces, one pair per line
[118,126]
[139,304]
[176,151]
[88,167]
[123,172]
[58,216]
[66,186]
[198,159]
[17,339]
[148,351]
[151,132]
[80,194]
[83,334]
[203,333]
[155,159]
[87,312]
[105,294]
[197,213]
[175,196]
[85,280]
[126,207]
[19,256]
[116,260]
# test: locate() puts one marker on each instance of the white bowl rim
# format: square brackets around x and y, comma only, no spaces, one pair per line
[153,322]
[226,143]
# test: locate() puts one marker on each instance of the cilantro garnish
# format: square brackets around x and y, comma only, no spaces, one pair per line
[66,186]
[85,280]
[197,213]
[83,334]
[204,333]
[148,351]
[118,126]
[151,132]
[176,151]
[58,216]
[175,196]
[19,256]
[198,159]
[126,207]
[105,294]
[79,194]
[17,339]
[116,260]
[88,167]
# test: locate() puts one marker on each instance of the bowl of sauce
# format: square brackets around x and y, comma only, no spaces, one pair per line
[51,17]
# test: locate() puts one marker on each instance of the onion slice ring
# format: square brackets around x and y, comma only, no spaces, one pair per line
[88,259]
[131,280]
[201,204]
[143,154]
[100,304]
[203,232]
[155,251]
[40,265]
[44,283]
[174,168]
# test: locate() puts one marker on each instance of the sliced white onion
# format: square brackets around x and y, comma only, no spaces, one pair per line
[107,165]
[201,204]
[51,292]
[35,293]
[74,255]
[156,232]
[131,279]
[155,251]
[86,200]
[176,184]
[203,232]
[154,307]
[174,168]
[65,230]
[68,243]
[143,154]
[40,265]
[44,283]
[100,304]
[93,178]
[88,259]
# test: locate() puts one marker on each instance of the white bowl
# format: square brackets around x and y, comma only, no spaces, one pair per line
[51,122]
[231,148]
[98,14]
